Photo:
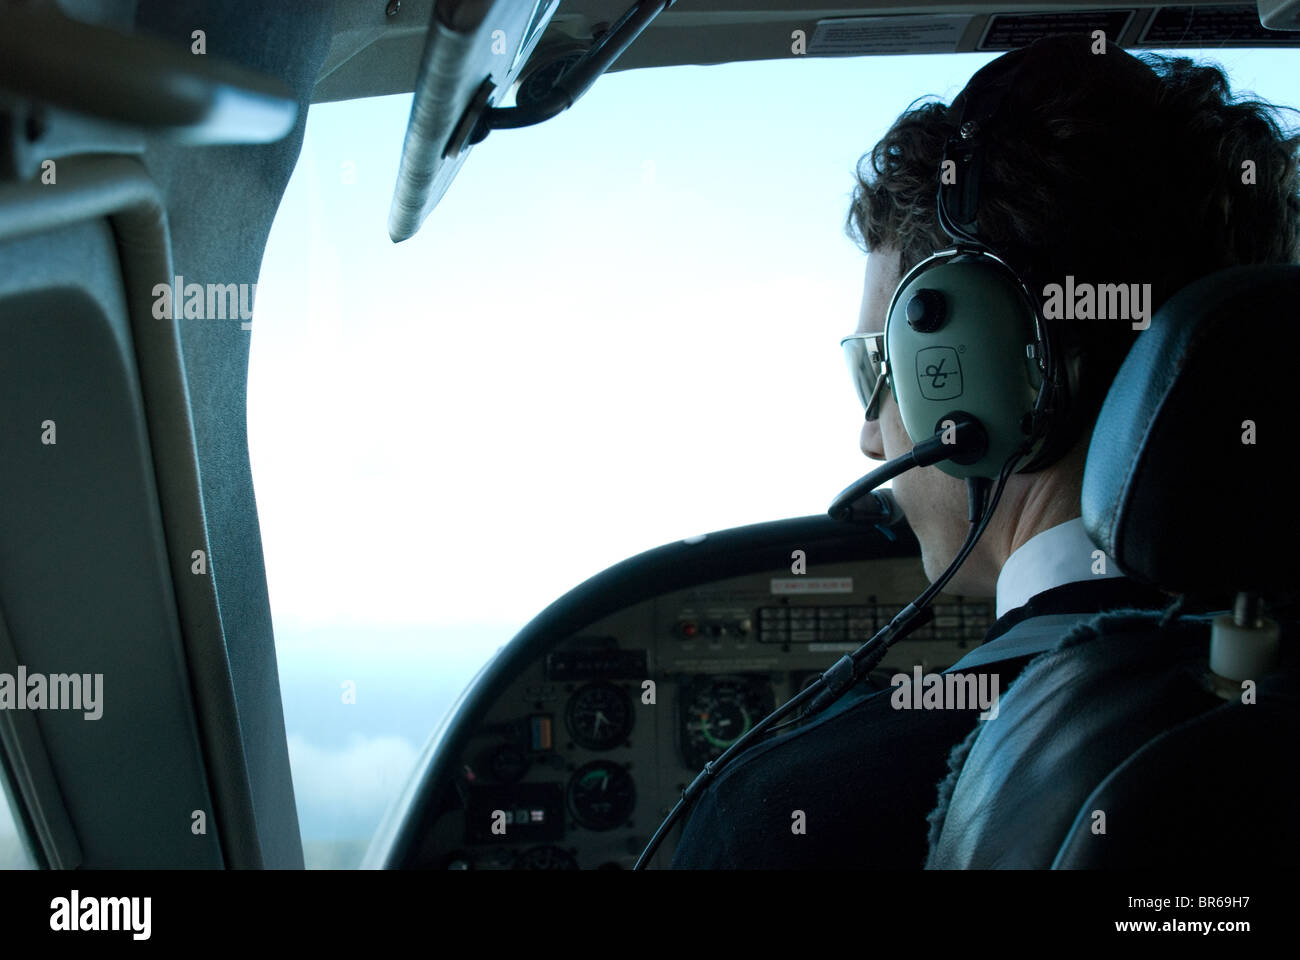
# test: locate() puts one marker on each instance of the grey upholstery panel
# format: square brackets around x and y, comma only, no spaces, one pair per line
[92,188]
[85,575]
[221,202]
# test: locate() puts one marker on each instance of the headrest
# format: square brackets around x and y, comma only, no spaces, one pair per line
[1190,478]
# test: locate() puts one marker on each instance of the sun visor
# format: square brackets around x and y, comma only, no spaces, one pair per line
[473,54]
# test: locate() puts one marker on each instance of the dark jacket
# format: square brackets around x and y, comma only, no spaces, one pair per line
[1113,751]
[865,777]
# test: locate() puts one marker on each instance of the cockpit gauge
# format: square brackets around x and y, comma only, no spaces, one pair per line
[718,711]
[598,716]
[602,795]
[508,763]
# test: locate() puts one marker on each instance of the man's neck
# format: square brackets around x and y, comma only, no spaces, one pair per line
[1031,504]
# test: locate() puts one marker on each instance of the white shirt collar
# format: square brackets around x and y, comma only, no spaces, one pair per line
[1059,555]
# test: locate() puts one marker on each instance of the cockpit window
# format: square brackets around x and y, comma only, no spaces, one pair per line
[619,328]
[14,854]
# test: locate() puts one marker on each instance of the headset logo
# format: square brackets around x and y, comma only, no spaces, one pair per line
[938,373]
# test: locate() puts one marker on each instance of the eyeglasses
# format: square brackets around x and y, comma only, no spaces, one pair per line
[864,353]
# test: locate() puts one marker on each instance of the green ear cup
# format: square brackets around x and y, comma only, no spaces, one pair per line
[958,338]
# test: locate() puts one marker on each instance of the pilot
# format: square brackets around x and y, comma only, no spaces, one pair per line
[1100,168]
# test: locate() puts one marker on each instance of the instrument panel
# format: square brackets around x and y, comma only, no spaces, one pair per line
[578,762]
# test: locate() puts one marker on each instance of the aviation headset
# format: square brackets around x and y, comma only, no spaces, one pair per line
[964,337]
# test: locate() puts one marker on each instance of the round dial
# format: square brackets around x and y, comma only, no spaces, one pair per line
[545,858]
[598,716]
[719,712]
[601,795]
[508,763]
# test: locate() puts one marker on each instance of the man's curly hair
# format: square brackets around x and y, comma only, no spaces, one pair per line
[1108,167]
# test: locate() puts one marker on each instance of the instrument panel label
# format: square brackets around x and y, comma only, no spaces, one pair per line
[788,585]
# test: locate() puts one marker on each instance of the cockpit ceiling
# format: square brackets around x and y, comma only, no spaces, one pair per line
[375,53]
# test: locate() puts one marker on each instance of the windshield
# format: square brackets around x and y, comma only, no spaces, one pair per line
[15,852]
[619,328]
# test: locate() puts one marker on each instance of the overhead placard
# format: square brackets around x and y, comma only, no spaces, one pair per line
[1227,26]
[858,36]
[1010,31]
